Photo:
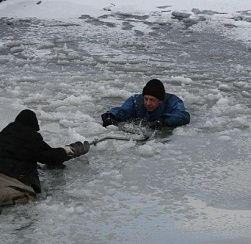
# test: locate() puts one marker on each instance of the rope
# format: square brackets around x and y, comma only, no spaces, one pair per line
[121,138]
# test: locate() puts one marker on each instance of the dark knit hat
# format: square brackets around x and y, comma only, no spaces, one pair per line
[28,118]
[154,88]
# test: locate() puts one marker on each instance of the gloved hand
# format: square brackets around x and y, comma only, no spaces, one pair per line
[156,125]
[77,149]
[108,119]
[56,166]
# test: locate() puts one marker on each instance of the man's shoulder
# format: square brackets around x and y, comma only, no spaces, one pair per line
[10,128]
[172,97]
[137,96]
[25,131]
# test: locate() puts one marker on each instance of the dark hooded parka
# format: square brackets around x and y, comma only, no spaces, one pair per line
[21,147]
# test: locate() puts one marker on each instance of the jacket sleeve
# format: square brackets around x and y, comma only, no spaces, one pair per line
[125,111]
[176,115]
[49,155]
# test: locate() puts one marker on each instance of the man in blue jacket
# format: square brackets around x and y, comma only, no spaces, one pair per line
[154,105]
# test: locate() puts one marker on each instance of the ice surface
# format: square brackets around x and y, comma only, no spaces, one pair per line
[193,187]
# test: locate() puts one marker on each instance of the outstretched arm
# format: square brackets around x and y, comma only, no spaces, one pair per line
[119,114]
[55,156]
[125,111]
[177,115]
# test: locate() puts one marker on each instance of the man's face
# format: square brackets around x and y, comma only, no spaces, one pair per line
[151,103]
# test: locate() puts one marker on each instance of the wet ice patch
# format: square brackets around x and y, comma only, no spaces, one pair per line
[146,150]
[217,219]
[4,59]
[123,146]
[47,116]
[225,105]
[192,98]
[181,80]
[113,174]
[225,113]
[74,100]
[74,119]
[225,87]
[113,92]
[34,98]
[241,122]
[73,135]
[8,112]
[2,45]
[186,130]
[29,79]
[225,138]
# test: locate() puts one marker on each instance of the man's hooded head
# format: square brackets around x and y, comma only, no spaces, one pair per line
[154,88]
[28,118]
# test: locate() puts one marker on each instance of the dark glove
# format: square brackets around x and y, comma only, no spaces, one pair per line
[108,119]
[55,166]
[77,149]
[156,125]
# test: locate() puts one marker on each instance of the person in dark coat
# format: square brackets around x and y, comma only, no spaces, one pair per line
[154,105]
[21,147]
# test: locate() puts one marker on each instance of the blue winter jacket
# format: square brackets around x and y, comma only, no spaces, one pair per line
[171,111]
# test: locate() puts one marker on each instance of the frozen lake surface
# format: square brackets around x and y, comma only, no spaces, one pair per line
[194,188]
